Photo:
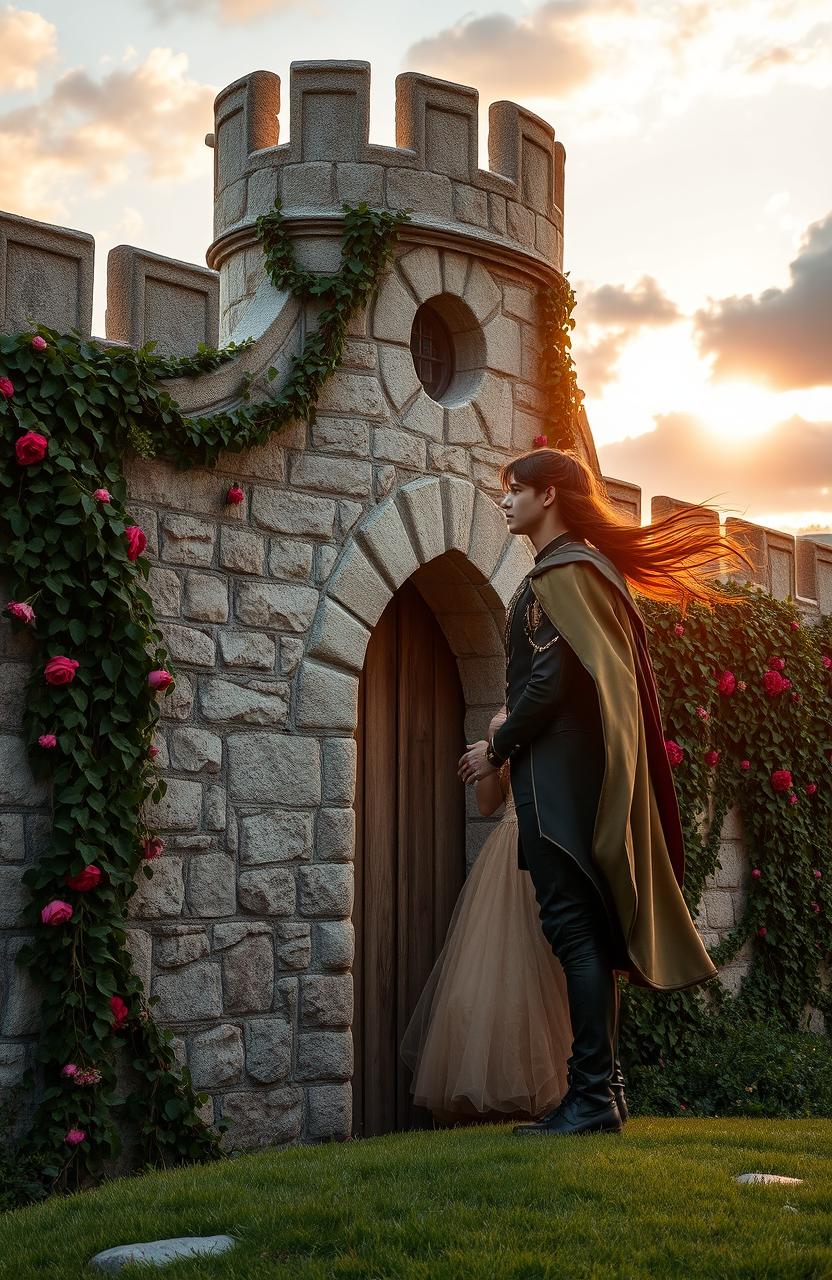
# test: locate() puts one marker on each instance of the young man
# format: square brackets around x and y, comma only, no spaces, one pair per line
[598,821]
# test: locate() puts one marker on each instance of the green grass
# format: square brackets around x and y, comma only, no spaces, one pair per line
[659,1201]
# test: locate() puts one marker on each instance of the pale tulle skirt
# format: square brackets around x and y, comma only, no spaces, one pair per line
[491,1029]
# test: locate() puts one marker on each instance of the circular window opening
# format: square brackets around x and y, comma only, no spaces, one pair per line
[433,351]
[448,350]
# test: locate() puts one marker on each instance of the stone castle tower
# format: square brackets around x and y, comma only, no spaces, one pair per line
[338,636]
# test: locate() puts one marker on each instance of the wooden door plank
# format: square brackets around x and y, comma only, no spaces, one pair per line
[358,920]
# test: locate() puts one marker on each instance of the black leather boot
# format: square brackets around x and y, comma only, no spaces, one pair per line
[576,1114]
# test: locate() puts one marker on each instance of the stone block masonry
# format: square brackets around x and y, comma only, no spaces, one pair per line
[244,932]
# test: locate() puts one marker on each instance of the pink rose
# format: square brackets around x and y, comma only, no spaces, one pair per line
[703,713]
[152,848]
[160,679]
[712,758]
[815,906]
[136,539]
[87,879]
[792,798]
[56,912]
[48,741]
[776,664]
[781,780]
[74,1137]
[540,442]
[679,629]
[817,874]
[23,612]
[756,873]
[152,752]
[794,624]
[762,931]
[675,753]
[119,1011]
[727,683]
[826,660]
[6,388]
[102,495]
[60,670]
[69,1071]
[745,765]
[38,343]
[235,496]
[30,448]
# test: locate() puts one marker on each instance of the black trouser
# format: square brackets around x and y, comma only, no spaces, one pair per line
[576,925]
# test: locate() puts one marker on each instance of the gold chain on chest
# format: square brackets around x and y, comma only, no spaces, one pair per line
[531,620]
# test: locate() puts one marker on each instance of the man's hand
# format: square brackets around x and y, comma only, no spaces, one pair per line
[473,766]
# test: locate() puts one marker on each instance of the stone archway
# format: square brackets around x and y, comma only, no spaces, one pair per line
[449,540]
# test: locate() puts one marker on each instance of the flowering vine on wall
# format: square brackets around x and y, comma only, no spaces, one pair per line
[746,693]
[75,565]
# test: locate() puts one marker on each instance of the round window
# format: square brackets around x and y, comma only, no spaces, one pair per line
[433,351]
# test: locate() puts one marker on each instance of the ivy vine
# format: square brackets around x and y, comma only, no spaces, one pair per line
[70,408]
[564,397]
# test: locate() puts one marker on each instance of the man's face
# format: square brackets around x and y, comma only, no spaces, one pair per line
[525,507]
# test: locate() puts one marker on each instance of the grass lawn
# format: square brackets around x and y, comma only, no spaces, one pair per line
[659,1201]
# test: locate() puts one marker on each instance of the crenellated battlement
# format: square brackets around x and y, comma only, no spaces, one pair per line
[433,170]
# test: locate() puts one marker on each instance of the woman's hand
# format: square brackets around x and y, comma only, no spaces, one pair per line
[473,765]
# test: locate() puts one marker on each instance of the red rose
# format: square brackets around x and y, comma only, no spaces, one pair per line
[6,388]
[776,664]
[675,753]
[159,679]
[781,780]
[136,540]
[712,758]
[679,629]
[102,495]
[794,624]
[60,670]
[826,660]
[235,495]
[119,1011]
[38,343]
[745,765]
[540,442]
[152,752]
[152,848]
[30,448]
[87,879]
[817,874]
[762,931]
[727,683]
[756,873]
[774,683]
[792,798]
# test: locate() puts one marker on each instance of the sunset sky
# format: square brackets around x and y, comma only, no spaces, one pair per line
[699,188]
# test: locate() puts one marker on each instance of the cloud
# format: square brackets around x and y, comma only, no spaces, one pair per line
[27,40]
[229,11]
[643,304]
[786,469]
[94,129]
[627,63]
[782,338]
[543,55]
[609,317]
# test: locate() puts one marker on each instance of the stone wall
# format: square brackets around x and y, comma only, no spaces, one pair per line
[244,931]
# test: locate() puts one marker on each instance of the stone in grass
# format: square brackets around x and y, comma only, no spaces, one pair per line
[767,1178]
[158,1252]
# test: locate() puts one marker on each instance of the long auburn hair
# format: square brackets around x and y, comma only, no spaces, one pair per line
[673,559]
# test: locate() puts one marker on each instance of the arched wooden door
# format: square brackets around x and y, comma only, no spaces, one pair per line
[410,845]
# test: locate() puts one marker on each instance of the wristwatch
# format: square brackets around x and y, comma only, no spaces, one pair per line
[491,755]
